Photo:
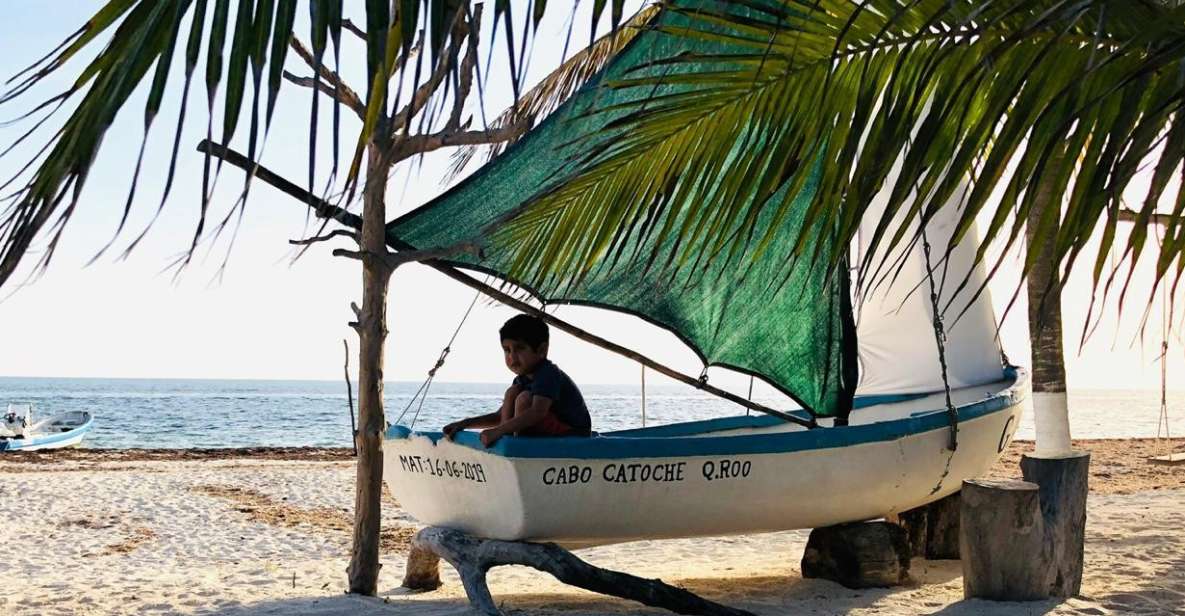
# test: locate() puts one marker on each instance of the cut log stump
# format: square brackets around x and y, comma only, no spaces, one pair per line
[1001,536]
[860,555]
[472,557]
[1063,487]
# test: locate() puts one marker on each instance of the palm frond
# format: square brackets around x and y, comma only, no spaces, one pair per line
[246,44]
[1069,95]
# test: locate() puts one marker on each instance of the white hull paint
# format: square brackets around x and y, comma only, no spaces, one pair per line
[582,500]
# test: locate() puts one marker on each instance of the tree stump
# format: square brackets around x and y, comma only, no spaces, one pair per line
[473,557]
[1063,488]
[860,555]
[423,569]
[942,528]
[1001,537]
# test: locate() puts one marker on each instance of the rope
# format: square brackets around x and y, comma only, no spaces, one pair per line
[940,338]
[1162,421]
[426,386]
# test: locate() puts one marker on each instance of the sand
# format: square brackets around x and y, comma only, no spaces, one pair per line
[268,532]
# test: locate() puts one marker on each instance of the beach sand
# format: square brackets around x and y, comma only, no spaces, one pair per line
[268,532]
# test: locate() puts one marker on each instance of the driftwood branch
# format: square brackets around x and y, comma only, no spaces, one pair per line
[421,144]
[392,260]
[350,399]
[402,119]
[347,95]
[467,71]
[473,557]
[1127,215]
[328,236]
[323,209]
[353,29]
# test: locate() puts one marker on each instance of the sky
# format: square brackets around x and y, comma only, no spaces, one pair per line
[267,316]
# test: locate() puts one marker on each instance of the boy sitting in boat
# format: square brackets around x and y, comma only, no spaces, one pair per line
[542,400]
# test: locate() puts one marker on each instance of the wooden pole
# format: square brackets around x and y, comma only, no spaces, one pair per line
[643,396]
[1063,483]
[325,209]
[364,564]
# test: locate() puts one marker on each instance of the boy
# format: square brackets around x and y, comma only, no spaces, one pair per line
[542,400]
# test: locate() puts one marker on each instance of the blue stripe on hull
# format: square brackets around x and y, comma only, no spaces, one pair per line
[665,441]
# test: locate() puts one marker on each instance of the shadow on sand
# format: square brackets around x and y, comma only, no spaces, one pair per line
[763,595]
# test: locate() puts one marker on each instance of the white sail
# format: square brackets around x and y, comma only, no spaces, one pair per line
[895,322]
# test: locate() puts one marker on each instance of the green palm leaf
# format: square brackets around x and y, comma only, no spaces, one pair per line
[246,42]
[1015,94]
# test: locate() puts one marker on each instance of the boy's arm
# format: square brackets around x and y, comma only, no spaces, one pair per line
[477,421]
[485,421]
[534,414]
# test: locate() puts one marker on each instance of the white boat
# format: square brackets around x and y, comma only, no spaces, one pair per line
[744,474]
[899,382]
[20,431]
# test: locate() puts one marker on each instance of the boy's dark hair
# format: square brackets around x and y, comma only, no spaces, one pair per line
[525,328]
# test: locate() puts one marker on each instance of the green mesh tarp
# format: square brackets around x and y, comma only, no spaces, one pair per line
[772,317]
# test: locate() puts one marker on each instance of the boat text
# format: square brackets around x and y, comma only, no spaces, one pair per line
[726,469]
[438,467]
[711,470]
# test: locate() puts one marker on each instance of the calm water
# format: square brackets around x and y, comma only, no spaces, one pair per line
[152,413]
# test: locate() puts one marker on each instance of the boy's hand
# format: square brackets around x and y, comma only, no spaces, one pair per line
[451,430]
[490,436]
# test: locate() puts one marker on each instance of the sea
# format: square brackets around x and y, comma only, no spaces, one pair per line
[208,413]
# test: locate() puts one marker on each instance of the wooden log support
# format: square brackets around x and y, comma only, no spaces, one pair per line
[1001,536]
[423,569]
[933,529]
[942,528]
[914,523]
[472,557]
[860,555]
[1063,488]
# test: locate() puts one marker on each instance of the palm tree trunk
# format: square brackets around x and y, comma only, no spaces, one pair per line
[372,332]
[1045,332]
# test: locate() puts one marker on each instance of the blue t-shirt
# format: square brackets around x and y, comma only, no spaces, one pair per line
[566,401]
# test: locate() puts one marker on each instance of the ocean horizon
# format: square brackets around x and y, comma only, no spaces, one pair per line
[152,413]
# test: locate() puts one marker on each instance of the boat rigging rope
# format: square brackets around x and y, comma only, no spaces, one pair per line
[422,392]
[940,338]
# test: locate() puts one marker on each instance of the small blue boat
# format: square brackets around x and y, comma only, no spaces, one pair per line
[20,432]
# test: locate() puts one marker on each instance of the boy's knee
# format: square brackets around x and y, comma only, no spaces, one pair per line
[523,401]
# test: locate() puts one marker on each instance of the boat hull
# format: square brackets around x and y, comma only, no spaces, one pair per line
[747,482]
